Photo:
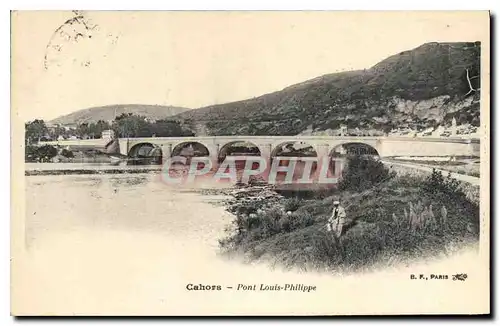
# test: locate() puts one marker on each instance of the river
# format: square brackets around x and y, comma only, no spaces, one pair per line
[130,244]
[64,204]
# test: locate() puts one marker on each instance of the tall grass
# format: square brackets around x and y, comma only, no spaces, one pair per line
[395,219]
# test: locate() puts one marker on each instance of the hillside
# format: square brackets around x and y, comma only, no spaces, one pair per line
[107,113]
[423,87]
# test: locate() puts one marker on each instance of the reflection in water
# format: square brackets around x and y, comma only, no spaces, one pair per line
[67,203]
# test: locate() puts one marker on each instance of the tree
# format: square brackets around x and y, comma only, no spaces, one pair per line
[95,129]
[129,125]
[170,128]
[57,131]
[102,125]
[34,130]
[83,130]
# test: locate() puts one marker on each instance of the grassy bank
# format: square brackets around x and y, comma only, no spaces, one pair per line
[391,219]
[472,169]
[466,165]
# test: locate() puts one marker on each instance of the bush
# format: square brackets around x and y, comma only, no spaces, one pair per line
[292,204]
[301,220]
[363,172]
[39,154]
[66,153]
[30,153]
[436,183]
[253,224]
[449,192]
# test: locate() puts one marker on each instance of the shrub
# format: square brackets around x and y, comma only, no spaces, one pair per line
[363,172]
[292,204]
[47,152]
[449,192]
[39,154]
[436,183]
[301,220]
[30,153]
[66,153]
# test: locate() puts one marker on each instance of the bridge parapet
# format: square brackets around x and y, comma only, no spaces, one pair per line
[385,146]
[76,142]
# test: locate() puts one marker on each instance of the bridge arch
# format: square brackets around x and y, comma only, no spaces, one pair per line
[294,149]
[145,154]
[353,148]
[340,152]
[238,148]
[190,149]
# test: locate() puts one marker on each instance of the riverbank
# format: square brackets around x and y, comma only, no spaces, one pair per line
[130,245]
[91,171]
[86,168]
[393,222]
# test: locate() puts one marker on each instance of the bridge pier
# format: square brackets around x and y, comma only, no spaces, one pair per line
[124,146]
[213,154]
[265,151]
[166,150]
[323,154]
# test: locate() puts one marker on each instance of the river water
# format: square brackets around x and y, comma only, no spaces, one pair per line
[62,204]
[130,244]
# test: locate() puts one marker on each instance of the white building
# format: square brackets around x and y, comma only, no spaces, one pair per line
[343,130]
[439,130]
[108,134]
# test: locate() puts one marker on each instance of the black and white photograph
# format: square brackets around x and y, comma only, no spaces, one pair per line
[215,163]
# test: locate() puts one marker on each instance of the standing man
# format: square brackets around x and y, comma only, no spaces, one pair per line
[336,222]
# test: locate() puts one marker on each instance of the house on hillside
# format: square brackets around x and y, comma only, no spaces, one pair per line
[69,126]
[343,130]
[108,134]
[426,132]
[51,127]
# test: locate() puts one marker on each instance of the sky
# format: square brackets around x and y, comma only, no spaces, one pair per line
[195,59]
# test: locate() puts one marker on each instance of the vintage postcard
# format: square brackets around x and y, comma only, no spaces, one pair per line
[233,163]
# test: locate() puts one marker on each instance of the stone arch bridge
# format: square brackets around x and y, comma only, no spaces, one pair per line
[268,146]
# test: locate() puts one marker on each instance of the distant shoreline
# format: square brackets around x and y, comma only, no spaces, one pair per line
[75,169]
